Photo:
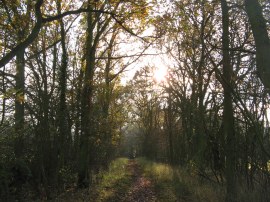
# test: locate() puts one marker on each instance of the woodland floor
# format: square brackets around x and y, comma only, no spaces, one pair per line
[132,187]
[142,180]
[141,188]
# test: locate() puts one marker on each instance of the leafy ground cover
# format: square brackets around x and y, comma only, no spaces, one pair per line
[142,180]
[145,180]
[123,181]
[179,184]
[111,185]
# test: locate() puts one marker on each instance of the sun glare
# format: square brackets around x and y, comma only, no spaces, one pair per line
[160,74]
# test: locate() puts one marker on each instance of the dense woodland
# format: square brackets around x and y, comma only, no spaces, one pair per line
[70,104]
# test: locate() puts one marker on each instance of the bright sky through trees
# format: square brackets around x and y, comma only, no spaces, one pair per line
[160,74]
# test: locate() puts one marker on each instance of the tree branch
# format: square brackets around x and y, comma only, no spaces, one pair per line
[42,20]
[32,36]
[128,56]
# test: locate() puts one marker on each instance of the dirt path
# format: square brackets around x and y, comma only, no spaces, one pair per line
[133,187]
[141,189]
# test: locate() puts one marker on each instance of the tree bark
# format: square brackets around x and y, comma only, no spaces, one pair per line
[87,94]
[170,128]
[262,41]
[19,103]
[228,119]
[64,135]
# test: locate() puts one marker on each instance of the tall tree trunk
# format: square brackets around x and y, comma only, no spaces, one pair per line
[170,128]
[262,41]
[47,164]
[78,114]
[19,101]
[87,96]
[228,119]
[64,135]
[107,100]
[201,136]
[96,26]
[106,106]
[4,99]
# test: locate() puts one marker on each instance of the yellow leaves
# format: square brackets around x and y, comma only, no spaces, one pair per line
[13,3]
[84,67]
[20,98]
[17,95]
[50,7]
[134,14]
[9,93]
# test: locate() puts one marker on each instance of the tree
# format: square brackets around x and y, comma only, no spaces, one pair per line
[148,113]
[262,41]
[19,101]
[98,25]
[64,128]
[228,118]
[94,21]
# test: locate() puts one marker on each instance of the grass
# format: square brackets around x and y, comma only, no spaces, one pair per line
[179,184]
[171,184]
[115,182]
[111,185]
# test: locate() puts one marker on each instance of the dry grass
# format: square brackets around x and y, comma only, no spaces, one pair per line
[180,184]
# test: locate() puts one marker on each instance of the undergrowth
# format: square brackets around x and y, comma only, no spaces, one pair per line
[179,184]
[115,182]
[182,184]
[110,185]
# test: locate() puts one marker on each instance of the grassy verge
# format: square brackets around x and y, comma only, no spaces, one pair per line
[115,182]
[111,185]
[178,184]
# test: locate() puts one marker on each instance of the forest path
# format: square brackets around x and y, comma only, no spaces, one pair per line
[125,183]
[141,189]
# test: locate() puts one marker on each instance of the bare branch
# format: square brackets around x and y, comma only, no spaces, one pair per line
[32,36]
[128,56]
[40,21]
